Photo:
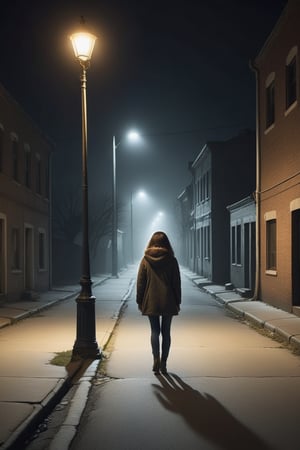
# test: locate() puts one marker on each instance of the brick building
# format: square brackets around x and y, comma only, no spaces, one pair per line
[25,230]
[278,157]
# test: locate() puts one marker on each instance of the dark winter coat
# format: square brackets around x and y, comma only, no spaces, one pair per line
[158,290]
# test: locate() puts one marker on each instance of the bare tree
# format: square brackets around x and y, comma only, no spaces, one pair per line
[100,222]
[67,217]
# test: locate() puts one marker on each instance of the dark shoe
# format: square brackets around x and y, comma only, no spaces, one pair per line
[156,364]
[163,367]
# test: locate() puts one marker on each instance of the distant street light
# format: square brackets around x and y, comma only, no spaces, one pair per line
[85,345]
[132,136]
[157,220]
[140,194]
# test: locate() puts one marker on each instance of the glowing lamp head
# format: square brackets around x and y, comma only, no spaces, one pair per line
[133,136]
[83,45]
[141,194]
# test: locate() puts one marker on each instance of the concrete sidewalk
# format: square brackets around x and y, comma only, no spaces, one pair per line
[280,324]
[25,400]
[257,312]
[12,312]
[229,387]
[29,385]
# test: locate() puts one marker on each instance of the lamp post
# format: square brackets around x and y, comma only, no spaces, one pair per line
[131,228]
[132,136]
[85,345]
[114,238]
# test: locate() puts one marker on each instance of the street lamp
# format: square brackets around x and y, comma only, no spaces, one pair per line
[85,345]
[133,136]
[157,220]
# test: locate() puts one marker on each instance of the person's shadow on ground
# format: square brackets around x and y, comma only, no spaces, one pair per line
[205,415]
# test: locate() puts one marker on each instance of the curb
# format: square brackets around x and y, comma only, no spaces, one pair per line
[17,438]
[68,429]
[291,341]
[20,434]
[31,312]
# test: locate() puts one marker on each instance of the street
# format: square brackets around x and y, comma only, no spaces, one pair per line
[229,387]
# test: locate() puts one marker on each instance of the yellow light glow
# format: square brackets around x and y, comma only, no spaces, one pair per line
[83,45]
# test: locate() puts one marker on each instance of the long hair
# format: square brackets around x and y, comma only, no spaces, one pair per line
[160,239]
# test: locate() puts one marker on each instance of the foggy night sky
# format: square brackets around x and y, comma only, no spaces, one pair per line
[177,71]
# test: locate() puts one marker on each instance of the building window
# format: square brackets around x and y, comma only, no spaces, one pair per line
[1,147]
[271,244]
[15,249]
[47,181]
[198,243]
[207,242]
[233,253]
[15,159]
[28,167]
[201,242]
[204,187]
[239,244]
[42,248]
[236,244]
[270,104]
[207,185]
[204,190]
[291,77]
[198,192]
[291,89]
[38,174]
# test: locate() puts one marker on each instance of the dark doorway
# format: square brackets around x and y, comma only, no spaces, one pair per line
[28,259]
[296,257]
[2,257]
[252,254]
[249,254]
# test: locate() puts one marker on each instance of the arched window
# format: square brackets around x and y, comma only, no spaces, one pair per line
[15,156]
[1,146]
[270,100]
[291,78]
[38,174]
[27,167]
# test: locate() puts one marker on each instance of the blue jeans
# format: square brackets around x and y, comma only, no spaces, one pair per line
[160,324]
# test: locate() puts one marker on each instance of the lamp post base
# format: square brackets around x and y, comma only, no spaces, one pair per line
[85,346]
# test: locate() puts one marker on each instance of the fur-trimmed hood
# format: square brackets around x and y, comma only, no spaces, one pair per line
[158,256]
